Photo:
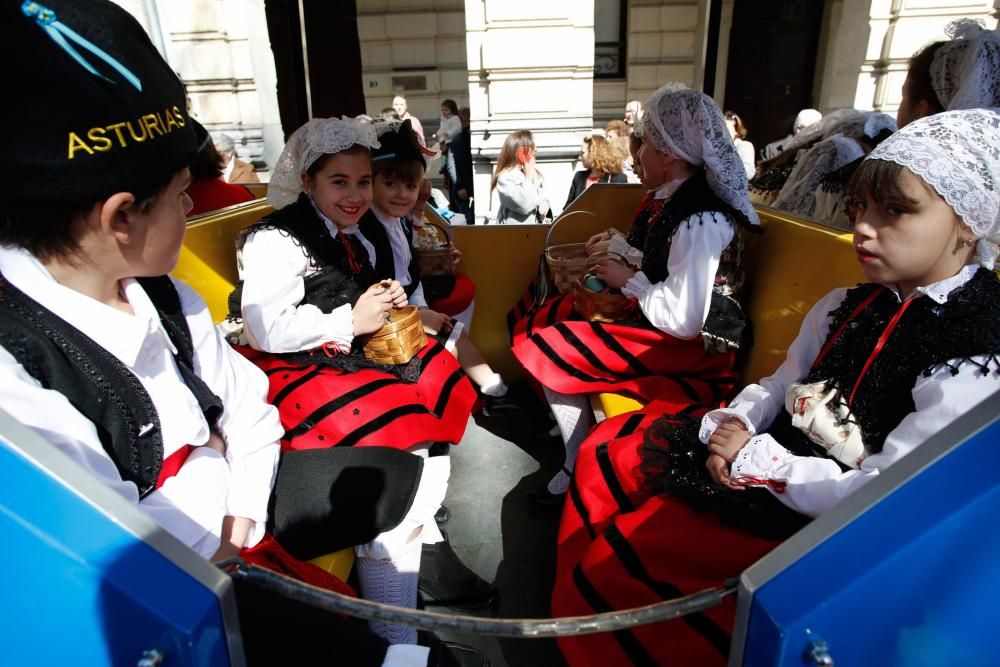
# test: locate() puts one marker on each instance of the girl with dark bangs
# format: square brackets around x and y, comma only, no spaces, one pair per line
[690,500]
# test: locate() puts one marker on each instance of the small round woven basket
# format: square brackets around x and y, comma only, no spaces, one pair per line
[602,306]
[437,261]
[399,339]
[567,261]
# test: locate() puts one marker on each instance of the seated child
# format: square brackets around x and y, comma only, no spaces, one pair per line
[307,297]
[875,371]
[685,277]
[385,232]
[121,368]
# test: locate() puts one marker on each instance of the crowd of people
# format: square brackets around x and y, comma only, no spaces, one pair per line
[252,437]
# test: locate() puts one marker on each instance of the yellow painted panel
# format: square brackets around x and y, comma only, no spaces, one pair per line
[339,563]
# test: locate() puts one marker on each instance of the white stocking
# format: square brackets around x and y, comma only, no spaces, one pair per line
[572,413]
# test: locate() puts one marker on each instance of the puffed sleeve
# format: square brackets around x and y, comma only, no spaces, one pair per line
[273,267]
[679,305]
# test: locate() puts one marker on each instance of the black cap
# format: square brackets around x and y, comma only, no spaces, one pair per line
[400,144]
[94,108]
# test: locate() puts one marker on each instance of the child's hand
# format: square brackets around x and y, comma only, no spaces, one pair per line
[435,322]
[729,438]
[600,237]
[371,309]
[396,293]
[600,247]
[613,273]
[456,257]
[718,469]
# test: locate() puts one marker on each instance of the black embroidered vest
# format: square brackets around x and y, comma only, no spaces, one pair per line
[927,336]
[96,383]
[385,263]
[336,283]
[726,326]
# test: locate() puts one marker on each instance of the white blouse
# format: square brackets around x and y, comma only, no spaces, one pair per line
[192,504]
[816,484]
[273,267]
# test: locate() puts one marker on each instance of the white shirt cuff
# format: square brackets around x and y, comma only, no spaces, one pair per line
[712,420]
[637,286]
[760,458]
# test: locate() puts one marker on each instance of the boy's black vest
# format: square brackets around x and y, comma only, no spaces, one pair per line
[96,383]
[385,263]
[336,283]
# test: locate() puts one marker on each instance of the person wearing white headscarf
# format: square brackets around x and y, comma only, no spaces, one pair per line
[875,372]
[803,120]
[683,269]
[306,296]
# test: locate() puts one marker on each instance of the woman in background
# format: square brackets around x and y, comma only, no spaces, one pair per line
[518,182]
[738,131]
[602,163]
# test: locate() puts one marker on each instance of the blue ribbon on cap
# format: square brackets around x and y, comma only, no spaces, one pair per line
[58,31]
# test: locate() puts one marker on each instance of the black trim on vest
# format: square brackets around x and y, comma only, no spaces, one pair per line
[385,263]
[98,385]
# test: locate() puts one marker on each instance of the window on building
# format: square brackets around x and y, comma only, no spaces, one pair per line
[609,39]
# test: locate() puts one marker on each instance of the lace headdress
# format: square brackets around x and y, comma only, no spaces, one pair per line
[689,124]
[958,154]
[965,72]
[318,137]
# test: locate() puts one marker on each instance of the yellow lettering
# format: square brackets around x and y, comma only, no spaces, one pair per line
[171,122]
[180,117]
[131,130]
[159,117]
[76,144]
[150,123]
[117,127]
[100,142]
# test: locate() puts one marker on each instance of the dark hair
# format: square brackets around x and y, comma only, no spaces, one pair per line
[207,163]
[390,112]
[52,230]
[318,165]
[451,105]
[919,77]
[878,179]
[741,129]
[407,171]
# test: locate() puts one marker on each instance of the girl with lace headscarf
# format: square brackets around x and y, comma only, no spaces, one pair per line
[306,298]
[875,371]
[682,268]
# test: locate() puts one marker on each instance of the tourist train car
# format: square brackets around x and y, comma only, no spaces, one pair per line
[902,572]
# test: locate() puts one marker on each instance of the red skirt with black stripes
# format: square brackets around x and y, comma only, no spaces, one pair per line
[622,547]
[324,406]
[572,356]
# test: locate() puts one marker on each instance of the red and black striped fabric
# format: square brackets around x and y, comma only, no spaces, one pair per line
[322,406]
[662,550]
[573,356]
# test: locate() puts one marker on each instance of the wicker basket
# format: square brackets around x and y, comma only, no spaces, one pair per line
[602,306]
[399,339]
[567,261]
[437,261]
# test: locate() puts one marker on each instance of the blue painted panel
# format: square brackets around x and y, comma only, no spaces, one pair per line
[79,589]
[913,581]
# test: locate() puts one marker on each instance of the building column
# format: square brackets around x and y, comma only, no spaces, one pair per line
[531,67]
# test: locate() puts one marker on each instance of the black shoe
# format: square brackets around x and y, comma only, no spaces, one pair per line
[446,580]
[542,499]
[498,406]
[453,654]
[442,515]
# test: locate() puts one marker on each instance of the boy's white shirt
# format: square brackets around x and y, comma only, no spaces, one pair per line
[402,254]
[273,268]
[192,504]
[816,484]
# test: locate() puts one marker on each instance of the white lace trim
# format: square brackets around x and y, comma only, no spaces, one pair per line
[318,137]
[689,124]
[965,72]
[958,154]
[798,195]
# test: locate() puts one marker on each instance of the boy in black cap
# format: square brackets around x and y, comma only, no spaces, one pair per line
[119,366]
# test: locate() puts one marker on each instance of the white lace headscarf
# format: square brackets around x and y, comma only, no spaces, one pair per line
[958,154]
[965,72]
[838,146]
[318,137]
[690,125]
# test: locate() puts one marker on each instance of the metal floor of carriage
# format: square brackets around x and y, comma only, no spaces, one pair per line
[498,461]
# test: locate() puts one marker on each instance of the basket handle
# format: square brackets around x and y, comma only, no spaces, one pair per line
[443,225]
[552,227]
